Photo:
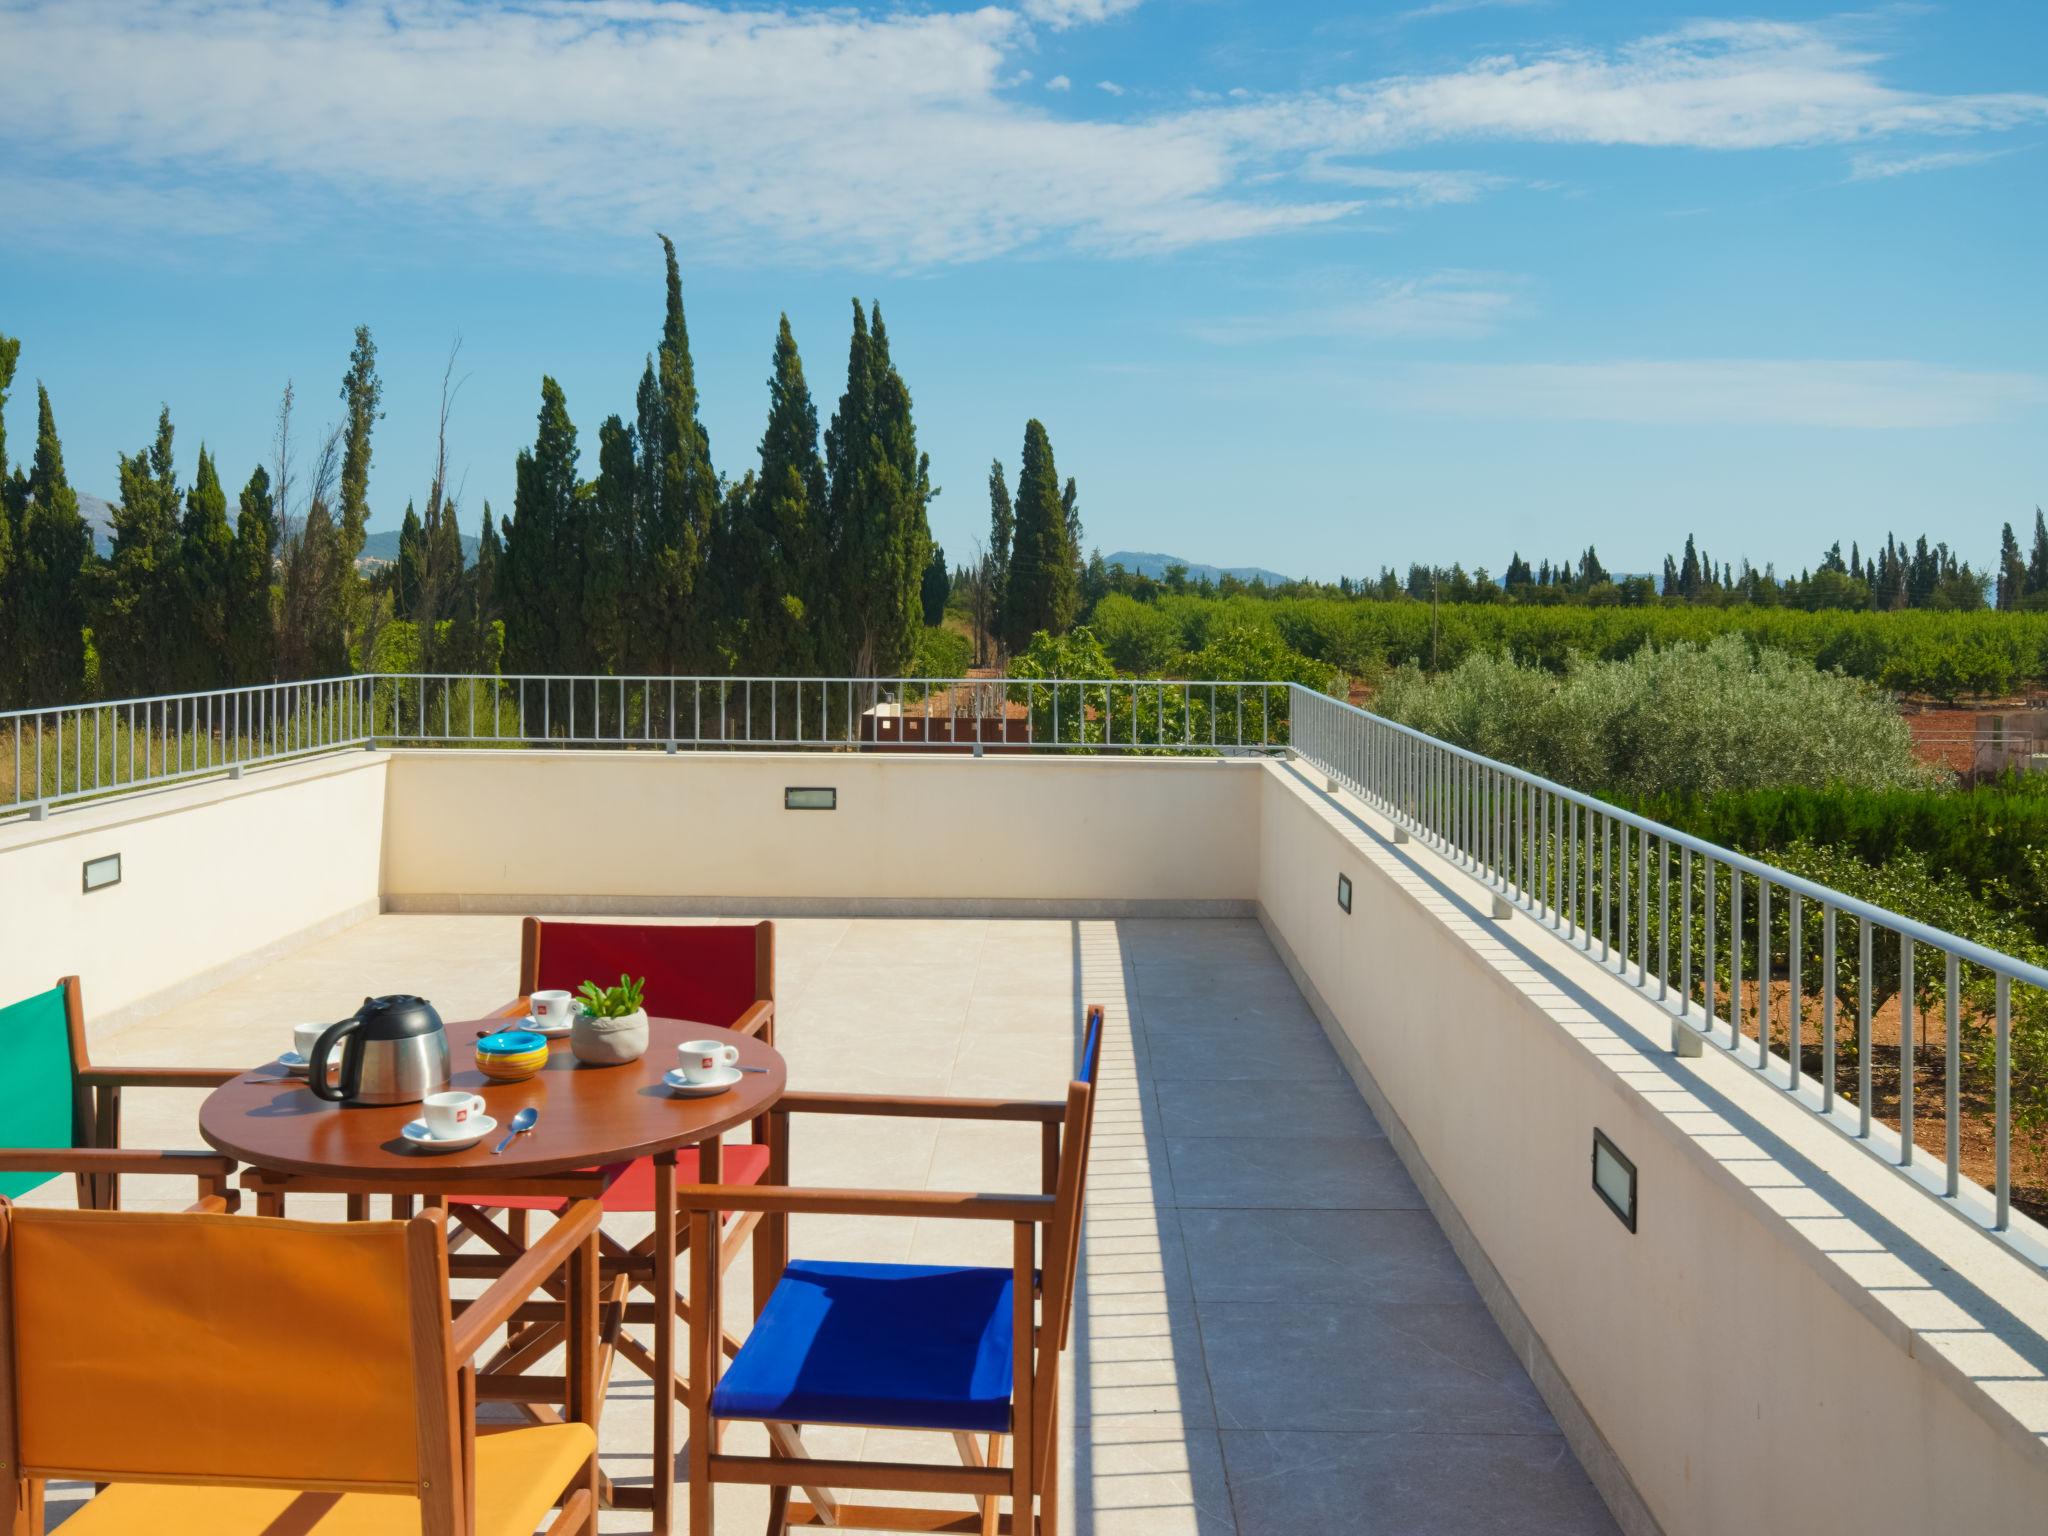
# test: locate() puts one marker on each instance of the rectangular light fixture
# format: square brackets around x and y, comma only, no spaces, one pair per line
[1344,892]
[810,799]
[102,872]
[1614,1179]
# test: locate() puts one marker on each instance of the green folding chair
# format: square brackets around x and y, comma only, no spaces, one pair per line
[52,1096]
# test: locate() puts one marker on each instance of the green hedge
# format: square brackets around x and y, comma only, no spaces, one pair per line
[1948,655]
[1994,838]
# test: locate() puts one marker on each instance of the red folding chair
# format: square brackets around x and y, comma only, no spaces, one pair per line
[721,975]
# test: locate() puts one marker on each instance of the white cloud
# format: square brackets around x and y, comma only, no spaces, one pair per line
[1879,168]
[1406,189]
[1457,7]
[1059,83]
[1110,86]
[1727,392]
[886,139]
[1443,305]
[1061,14]
[1708,85]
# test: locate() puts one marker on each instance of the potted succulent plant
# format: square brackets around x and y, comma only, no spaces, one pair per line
[611,1027]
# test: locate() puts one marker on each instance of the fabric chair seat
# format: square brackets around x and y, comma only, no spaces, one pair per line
[903,1346]
[632,1192]
[519,1475]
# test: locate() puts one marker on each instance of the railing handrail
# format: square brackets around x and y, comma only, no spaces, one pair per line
[67,753]
[177,698]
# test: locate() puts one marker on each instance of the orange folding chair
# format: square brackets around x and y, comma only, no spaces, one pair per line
[236,1377]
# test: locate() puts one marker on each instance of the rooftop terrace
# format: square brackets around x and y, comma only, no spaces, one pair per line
[1271,1329]
[1344,1265]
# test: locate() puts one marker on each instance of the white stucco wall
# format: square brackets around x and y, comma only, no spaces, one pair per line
[1794,1339]
[212,875]
[515,829]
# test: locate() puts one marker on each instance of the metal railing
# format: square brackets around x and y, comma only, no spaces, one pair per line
[56,756]
[78,752]
[1721,940]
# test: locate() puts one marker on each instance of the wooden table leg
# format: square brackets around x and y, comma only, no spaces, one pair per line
[664,1343]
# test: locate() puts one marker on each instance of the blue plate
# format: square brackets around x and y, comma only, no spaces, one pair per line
[511,1042]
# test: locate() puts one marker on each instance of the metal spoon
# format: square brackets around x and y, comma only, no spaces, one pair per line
[521,1123]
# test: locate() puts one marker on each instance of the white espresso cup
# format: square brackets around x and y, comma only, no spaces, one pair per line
[553,1010]
[306,1036]
[449,1114]
[700,1061]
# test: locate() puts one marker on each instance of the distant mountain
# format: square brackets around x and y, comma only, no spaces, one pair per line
[377,547]
[99,516]
[1143,563]
[382,547]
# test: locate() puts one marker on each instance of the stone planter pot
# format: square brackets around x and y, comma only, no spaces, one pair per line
[609,1042]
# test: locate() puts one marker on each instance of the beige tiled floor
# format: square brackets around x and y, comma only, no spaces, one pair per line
[1271,1333]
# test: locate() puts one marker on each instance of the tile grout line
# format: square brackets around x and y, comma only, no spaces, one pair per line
[1135,991]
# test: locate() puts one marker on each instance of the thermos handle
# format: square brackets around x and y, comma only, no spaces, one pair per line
[337,1034]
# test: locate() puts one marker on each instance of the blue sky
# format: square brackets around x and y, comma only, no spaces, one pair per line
[1312,286]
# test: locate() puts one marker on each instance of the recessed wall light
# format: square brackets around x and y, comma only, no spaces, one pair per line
[102,872]
[1614,1179]
[1344,892]
[813,798]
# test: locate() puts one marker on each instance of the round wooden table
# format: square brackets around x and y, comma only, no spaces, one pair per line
[589,1117]
[593,1121]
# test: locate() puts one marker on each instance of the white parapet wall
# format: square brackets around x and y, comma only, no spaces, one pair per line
[214,875]
[644,831]
[1794,1339]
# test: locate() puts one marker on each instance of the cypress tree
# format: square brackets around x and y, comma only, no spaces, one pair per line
[363,391]
[2012,571]
[1002,537]
[251,646]
[542,571]
[1070,508]
[412,564]
[878,487]
[13,494]
[53,551]
[441,577]
[484,604]
[207,551]
[1042,586]
[140,626]
[2037,567]
[675,627]
[935,588]
[780,520]
[607,590]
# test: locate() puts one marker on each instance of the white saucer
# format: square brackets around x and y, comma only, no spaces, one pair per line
[416,1132]
[552,1031]
[683,1088]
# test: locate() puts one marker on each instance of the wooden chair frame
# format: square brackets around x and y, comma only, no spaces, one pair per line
[1043,1296]
[445,1338]
[96,1106]
[212,1171]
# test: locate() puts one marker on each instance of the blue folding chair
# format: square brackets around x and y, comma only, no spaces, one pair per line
[969,1351]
